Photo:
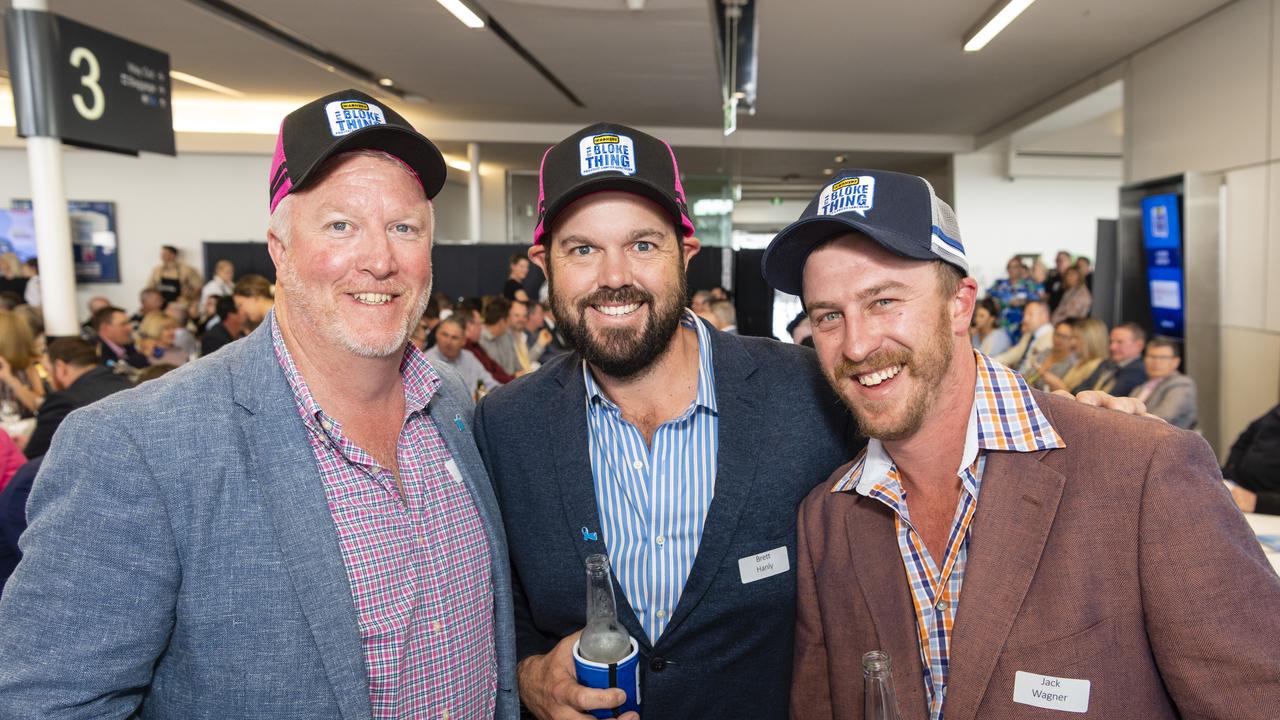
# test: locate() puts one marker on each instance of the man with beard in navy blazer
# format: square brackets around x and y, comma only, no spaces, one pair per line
[680,451]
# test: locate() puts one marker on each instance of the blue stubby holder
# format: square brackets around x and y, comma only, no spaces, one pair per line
[624,674]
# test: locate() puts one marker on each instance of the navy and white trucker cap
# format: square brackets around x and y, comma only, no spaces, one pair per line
[901,212]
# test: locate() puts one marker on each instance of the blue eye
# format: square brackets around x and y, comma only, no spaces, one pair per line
[581,250]
[403,229]
[339,225]
[644,246]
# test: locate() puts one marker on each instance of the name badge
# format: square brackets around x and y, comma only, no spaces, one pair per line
[454,472]
[764,565]
[1052,693]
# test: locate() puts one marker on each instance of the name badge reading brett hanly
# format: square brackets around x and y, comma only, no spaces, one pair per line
[1052,693]
[764,565]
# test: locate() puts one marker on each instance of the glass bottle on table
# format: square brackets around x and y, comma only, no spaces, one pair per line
[878,699]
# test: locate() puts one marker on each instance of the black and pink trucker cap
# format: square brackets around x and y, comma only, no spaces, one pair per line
[344,121]
[606,156]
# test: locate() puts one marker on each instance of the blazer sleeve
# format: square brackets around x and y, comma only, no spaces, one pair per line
[529,640]
[91,606]
[810,677]
[1209,595]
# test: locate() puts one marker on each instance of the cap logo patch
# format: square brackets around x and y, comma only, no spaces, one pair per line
[607,153]
[347,116]
[855,194]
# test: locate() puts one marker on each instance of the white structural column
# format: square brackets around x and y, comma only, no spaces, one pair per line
[473,192]
[53,225]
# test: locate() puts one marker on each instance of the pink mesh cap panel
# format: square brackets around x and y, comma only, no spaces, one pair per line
[278,186]
[686,224]
[542,197]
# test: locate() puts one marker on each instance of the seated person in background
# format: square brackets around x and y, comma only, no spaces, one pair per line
[222,283]
[1169,394]
[1090,349]
[1036,341]
[96,303]
[254,298]
[726,318]
[115,338]
[11,458]
[19,378]
[184,338]
[230,326]
[1123,370]
[1059,360]
[451,335]
[1014,293]
[1253,467]
[77,380]
[496,337]
[156,335]
[801,329]
[475,326]
[540,334]
[700,302]
[149,300]
[986,334]
[1077,301]
[13,517]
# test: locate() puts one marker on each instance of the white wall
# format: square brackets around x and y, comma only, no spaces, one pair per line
[186,200]
[1000,218]
[1205,99]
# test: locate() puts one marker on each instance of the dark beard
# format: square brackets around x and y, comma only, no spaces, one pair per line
[618,352]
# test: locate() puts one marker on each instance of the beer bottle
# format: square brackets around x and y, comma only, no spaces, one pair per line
[878,699]
[603,640]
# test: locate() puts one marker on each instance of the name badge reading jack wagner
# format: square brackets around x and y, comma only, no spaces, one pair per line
[764,565]
[1052,693]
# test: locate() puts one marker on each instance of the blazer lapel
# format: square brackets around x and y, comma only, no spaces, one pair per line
[569,431]
[282,465]
[739,420]
[883,581]
[1016,507]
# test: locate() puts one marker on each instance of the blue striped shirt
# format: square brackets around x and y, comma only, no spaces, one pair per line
[653,501]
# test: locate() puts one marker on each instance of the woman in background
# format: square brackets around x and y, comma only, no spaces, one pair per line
[1090,350]
[19,356]
[987,335]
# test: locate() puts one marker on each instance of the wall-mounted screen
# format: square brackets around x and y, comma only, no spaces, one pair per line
[1162,239]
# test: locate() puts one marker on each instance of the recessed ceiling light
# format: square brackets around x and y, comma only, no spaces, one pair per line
[202,83]
[997,19]
[840,158]
[386,82]
[828,171]
[465,14]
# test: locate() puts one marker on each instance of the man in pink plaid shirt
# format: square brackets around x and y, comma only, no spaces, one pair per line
[298,526]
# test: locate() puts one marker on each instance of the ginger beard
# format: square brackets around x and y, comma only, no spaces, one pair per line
[621,352]
[320,310]
[895,418]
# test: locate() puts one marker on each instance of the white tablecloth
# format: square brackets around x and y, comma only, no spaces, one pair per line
[1266,525]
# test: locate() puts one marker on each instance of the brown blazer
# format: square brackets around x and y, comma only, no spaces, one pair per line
[1119,559]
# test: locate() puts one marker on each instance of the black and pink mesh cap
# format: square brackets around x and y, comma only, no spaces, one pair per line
[606,156]
[341,122]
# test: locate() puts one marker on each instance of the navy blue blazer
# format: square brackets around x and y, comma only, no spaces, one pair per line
[727,650]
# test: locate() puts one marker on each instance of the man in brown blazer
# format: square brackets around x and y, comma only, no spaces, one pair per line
[1017,555]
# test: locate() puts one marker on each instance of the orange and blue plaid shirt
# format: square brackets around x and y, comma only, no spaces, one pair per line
[1004,418]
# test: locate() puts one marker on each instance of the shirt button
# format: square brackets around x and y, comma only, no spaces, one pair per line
[660,540]
[326,424]
[437,626]
[943,605]
[661,614]
[638,465]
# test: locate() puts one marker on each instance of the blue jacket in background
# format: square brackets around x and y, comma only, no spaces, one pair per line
[181,560]
[726,652]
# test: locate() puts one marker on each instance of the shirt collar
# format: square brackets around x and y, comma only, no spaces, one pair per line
[421,381]
[706,377]
[1004,417]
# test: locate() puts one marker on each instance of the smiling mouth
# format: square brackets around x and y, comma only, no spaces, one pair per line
[617,310]
[373,298]
[872,379]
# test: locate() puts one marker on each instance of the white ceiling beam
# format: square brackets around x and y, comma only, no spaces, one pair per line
[1084,88]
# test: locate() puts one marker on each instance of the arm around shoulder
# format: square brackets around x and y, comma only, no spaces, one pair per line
[1209,594]
[91,606]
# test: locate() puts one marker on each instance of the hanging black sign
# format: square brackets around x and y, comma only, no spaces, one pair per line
[88,87]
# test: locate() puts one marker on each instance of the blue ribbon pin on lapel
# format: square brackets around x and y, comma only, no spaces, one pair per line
[457,420]
[588,536]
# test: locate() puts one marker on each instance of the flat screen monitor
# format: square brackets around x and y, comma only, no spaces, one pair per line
[1162,239]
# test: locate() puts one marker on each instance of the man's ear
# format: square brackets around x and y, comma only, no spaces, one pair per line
[689,247]
[538,256]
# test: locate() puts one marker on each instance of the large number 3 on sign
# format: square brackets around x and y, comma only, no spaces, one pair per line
[90,80]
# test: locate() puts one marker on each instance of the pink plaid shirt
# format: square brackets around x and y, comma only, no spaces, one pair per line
[418,566]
